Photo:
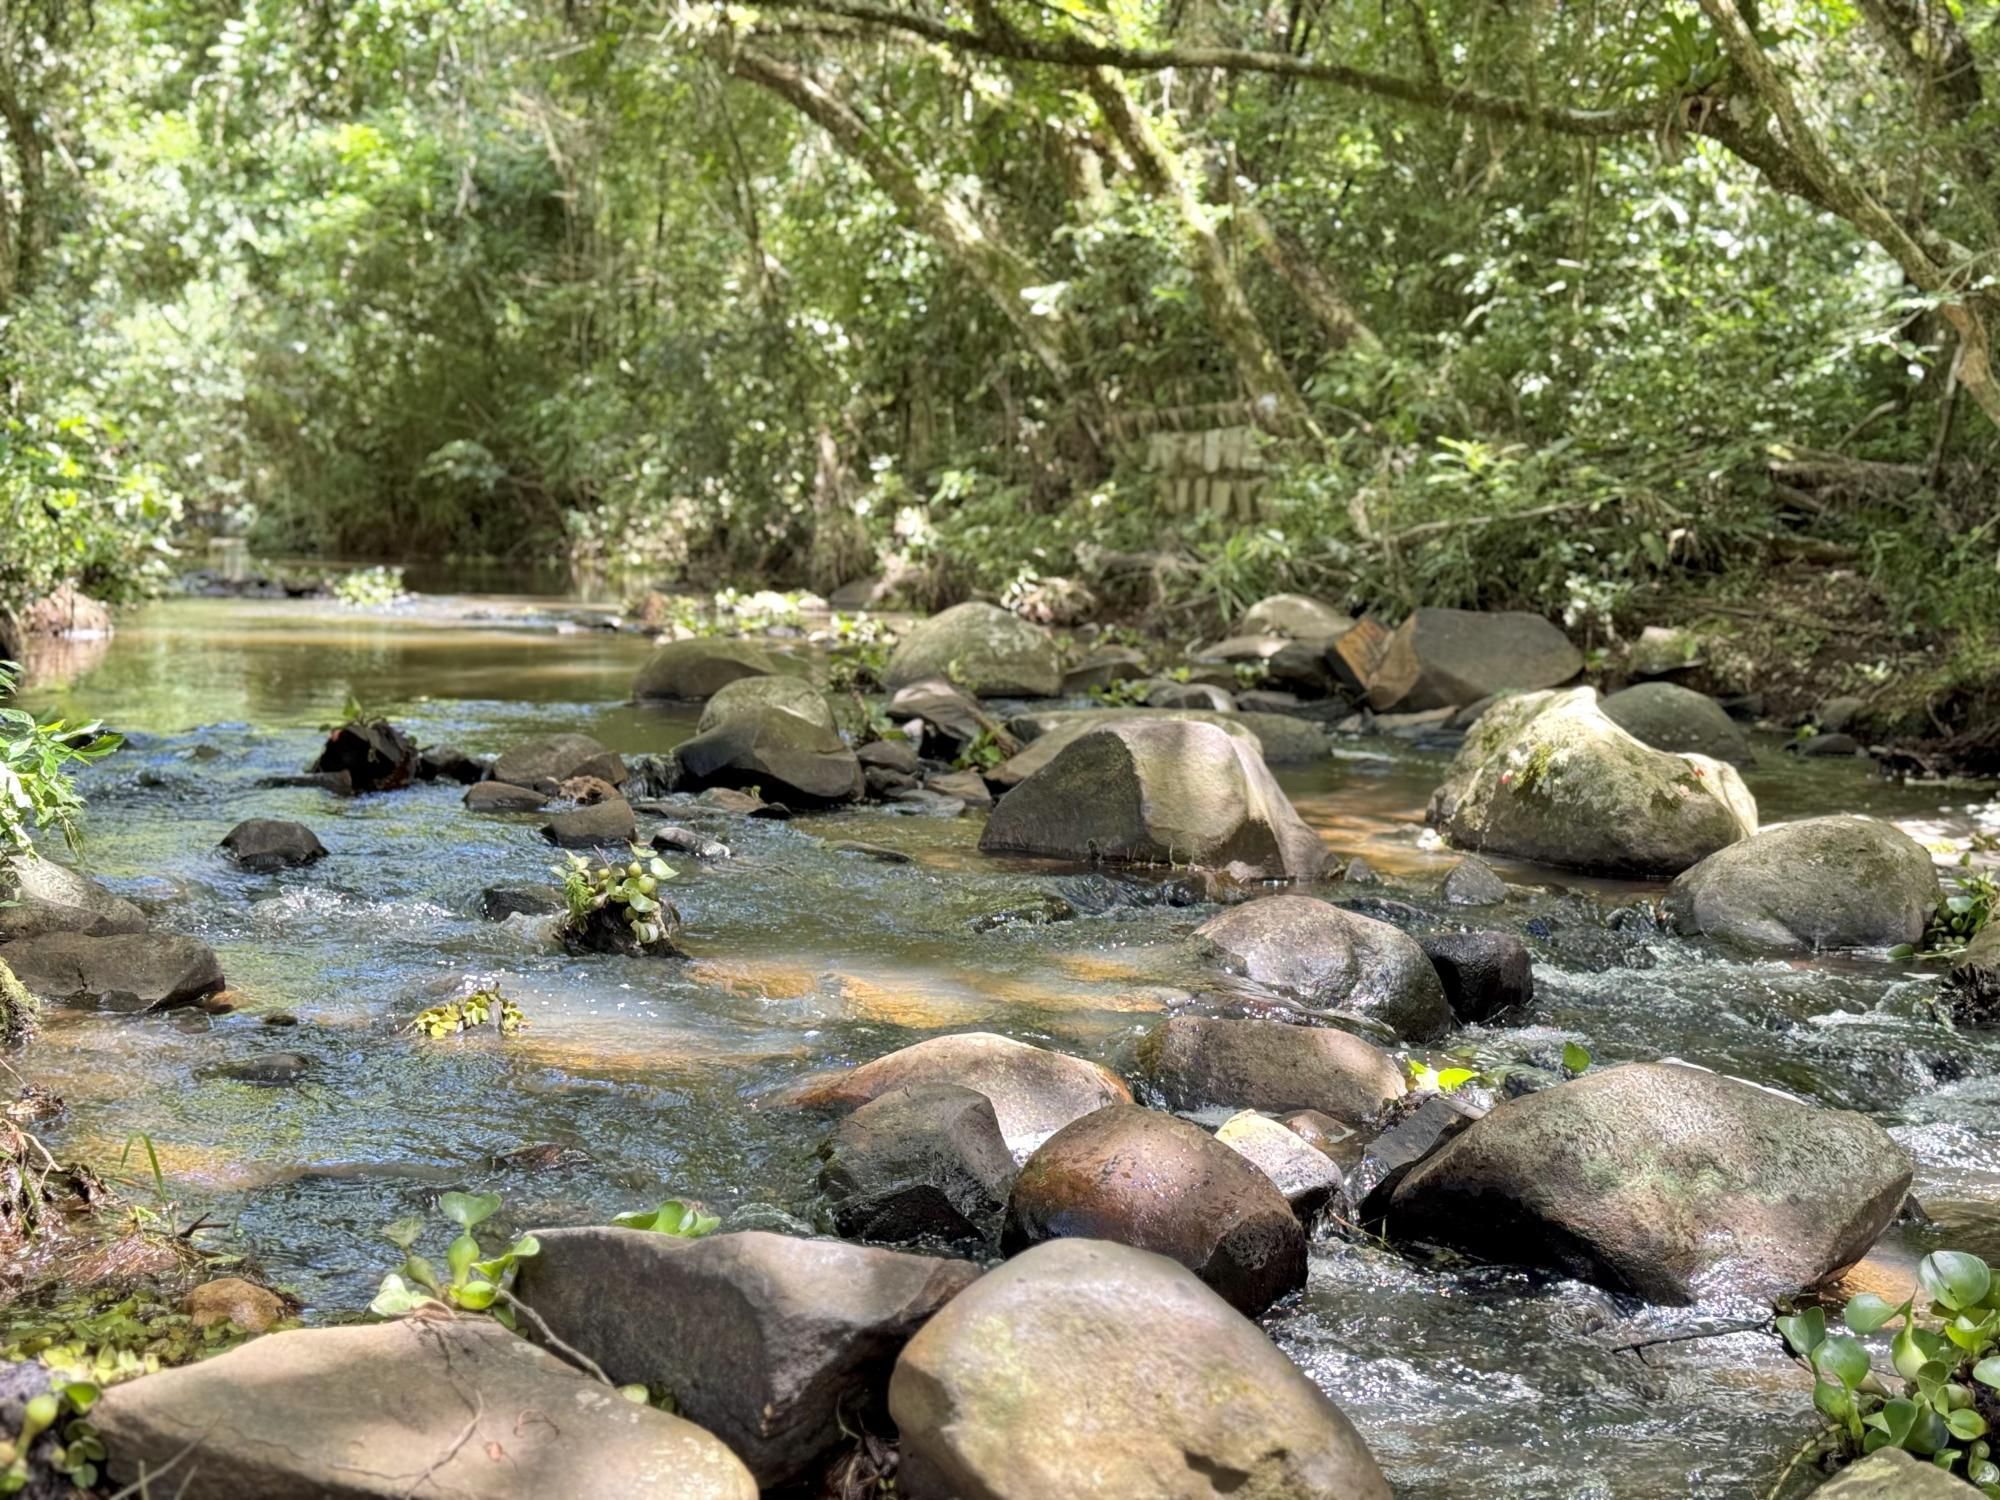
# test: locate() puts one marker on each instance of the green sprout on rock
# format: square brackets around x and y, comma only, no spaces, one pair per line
[618,908]
[474,1010]
[675,1217]
[468,1284]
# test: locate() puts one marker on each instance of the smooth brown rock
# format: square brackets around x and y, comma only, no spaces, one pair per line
[1201,1062]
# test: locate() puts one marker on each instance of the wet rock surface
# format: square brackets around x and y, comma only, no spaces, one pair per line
[267,844]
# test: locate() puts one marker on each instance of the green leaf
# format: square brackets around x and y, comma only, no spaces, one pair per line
[1843,1359]
[404,1232]
[1867,1312]
[1833,1398]
[469,1209]
[1954,1278]
[395,1298]
[460,1255]
[80,1394]
[1987,1371]
[1575,1059]
[1804,1331]
[1912,1349]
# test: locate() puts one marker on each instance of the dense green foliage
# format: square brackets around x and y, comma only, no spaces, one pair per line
[36,758]
[1594,309]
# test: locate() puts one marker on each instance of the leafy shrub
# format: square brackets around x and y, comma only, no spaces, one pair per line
[1960,915]
[36,757]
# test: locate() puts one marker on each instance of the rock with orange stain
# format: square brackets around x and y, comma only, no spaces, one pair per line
[231,1299]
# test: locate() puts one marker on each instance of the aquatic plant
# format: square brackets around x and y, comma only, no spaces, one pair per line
[1471,1068]
[468,1283]
[675,1217]
[368,588]
[1960,915]
[36,759]
[618,908]
[474,1010]
[983,753]
[78,1452]
[1944,1359]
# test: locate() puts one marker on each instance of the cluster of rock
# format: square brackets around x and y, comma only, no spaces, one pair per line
[69,940]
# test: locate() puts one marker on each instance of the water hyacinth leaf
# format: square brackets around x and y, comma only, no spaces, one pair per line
[1834,1399]
[1912,1349]
[1575,1059]
[1867,1312]
[395,1298]
[404,1232]
[460,1255]
[477,1295]
[1843,1359]
[80,1394]
[468,1210]
[1987,1371]
[1954,1278]
[1452,1078]
[1928,1434]
[1804,1331]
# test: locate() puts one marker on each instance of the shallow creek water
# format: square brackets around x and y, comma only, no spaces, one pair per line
[1478,1382]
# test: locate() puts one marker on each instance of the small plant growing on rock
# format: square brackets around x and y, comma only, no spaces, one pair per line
[468,1283]
[685,1220]
[477,1009]
[982,754]
[1943,1355]
[1958,919]
[618,908]
[77,1453]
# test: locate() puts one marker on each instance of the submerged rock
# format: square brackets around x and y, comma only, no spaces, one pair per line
[779,752]
[1670,717]
[39,896]
[702,668]
[1330,959]
[1035,1092]
[267,844]
[545,763]
[415,1407]
[449,763]
[499,902]
[1547,777]
[1662,1180]
[779,1346]
[374,755]
[922,1163]
[231,1299]
[981,648]
[1283,739]
[749,697]
[1447,658]
[267,1069]
[1167,791]
[1839,882]
[1387,1159]
[1085,1371]
[1202,1062]
[1154,1181]
[122,971]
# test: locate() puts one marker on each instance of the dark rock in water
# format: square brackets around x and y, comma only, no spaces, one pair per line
[890,755]
[1387,1159]
[1165,791]
[1035,1092]
[449,763]
[39,896]
[544,764]
[337,782]
[1330,959]
[1973,986]
[267,844]
[1837,715]
[968,787]
[1266,701]
[1041,913]
[122,972]
[650,776]
[267,1068]
[1826,745]
[1306,1176]
[545,1156]
[1839,882]
[922,1163]
[880,784]
[1666,1181]
[775,751]
[725,799]
[499,902]
[604,929]
[1669,717]
[1191,695]
[880,853]
[374,755]
[982,648]
[698,669]
[676,840]
[598,826]
[1086,1398]
[1359,872]
[418,1406]
[921,802]
[779,1346]
[1483,973]
[280,1018]
[503,796]
[951,719]
[1472,882]
[1154,1181]
[1202,1062]
[1587,943]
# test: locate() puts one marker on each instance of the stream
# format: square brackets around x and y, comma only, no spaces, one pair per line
[1468,1382]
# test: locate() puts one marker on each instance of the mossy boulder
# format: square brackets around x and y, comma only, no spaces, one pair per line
[1839,882]
[1662,1180]
[40,896]
[17,1007]
[698,669]
[787,757]
[749,696]
[545,762]
[1157,791]
[1547,777]
[1670,717]
[981,648]
[1282,739]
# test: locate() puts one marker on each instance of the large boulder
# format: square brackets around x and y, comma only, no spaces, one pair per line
[1281,661]
[66,614]
[777,1345]
[1035,1092]
[922,1163]
[951,720]
[702,668]
[1202,1062]
[543,764]
[1839,882]
[1084,1370]
[1155,1181]
[39,896]
[983,649]
[750,697]
[1547,777]
[791,759]
[1164,791]
[1331,959]
[267,844]
[1670,717]
[1447,658]
[1284,739]
[384,1411]
[1663,1180]
[123,971]
[1297,616]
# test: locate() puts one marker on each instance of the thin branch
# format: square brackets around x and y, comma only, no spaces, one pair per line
[569,1352]
[1699,1333]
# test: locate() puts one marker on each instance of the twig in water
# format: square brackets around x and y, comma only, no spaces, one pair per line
[1699,1333]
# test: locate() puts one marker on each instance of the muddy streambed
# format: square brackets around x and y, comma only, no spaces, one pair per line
[1478,1382]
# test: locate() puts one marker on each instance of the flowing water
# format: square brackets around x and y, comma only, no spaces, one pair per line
[1469,1382]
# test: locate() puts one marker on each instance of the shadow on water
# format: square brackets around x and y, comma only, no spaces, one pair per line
[1468,1381]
